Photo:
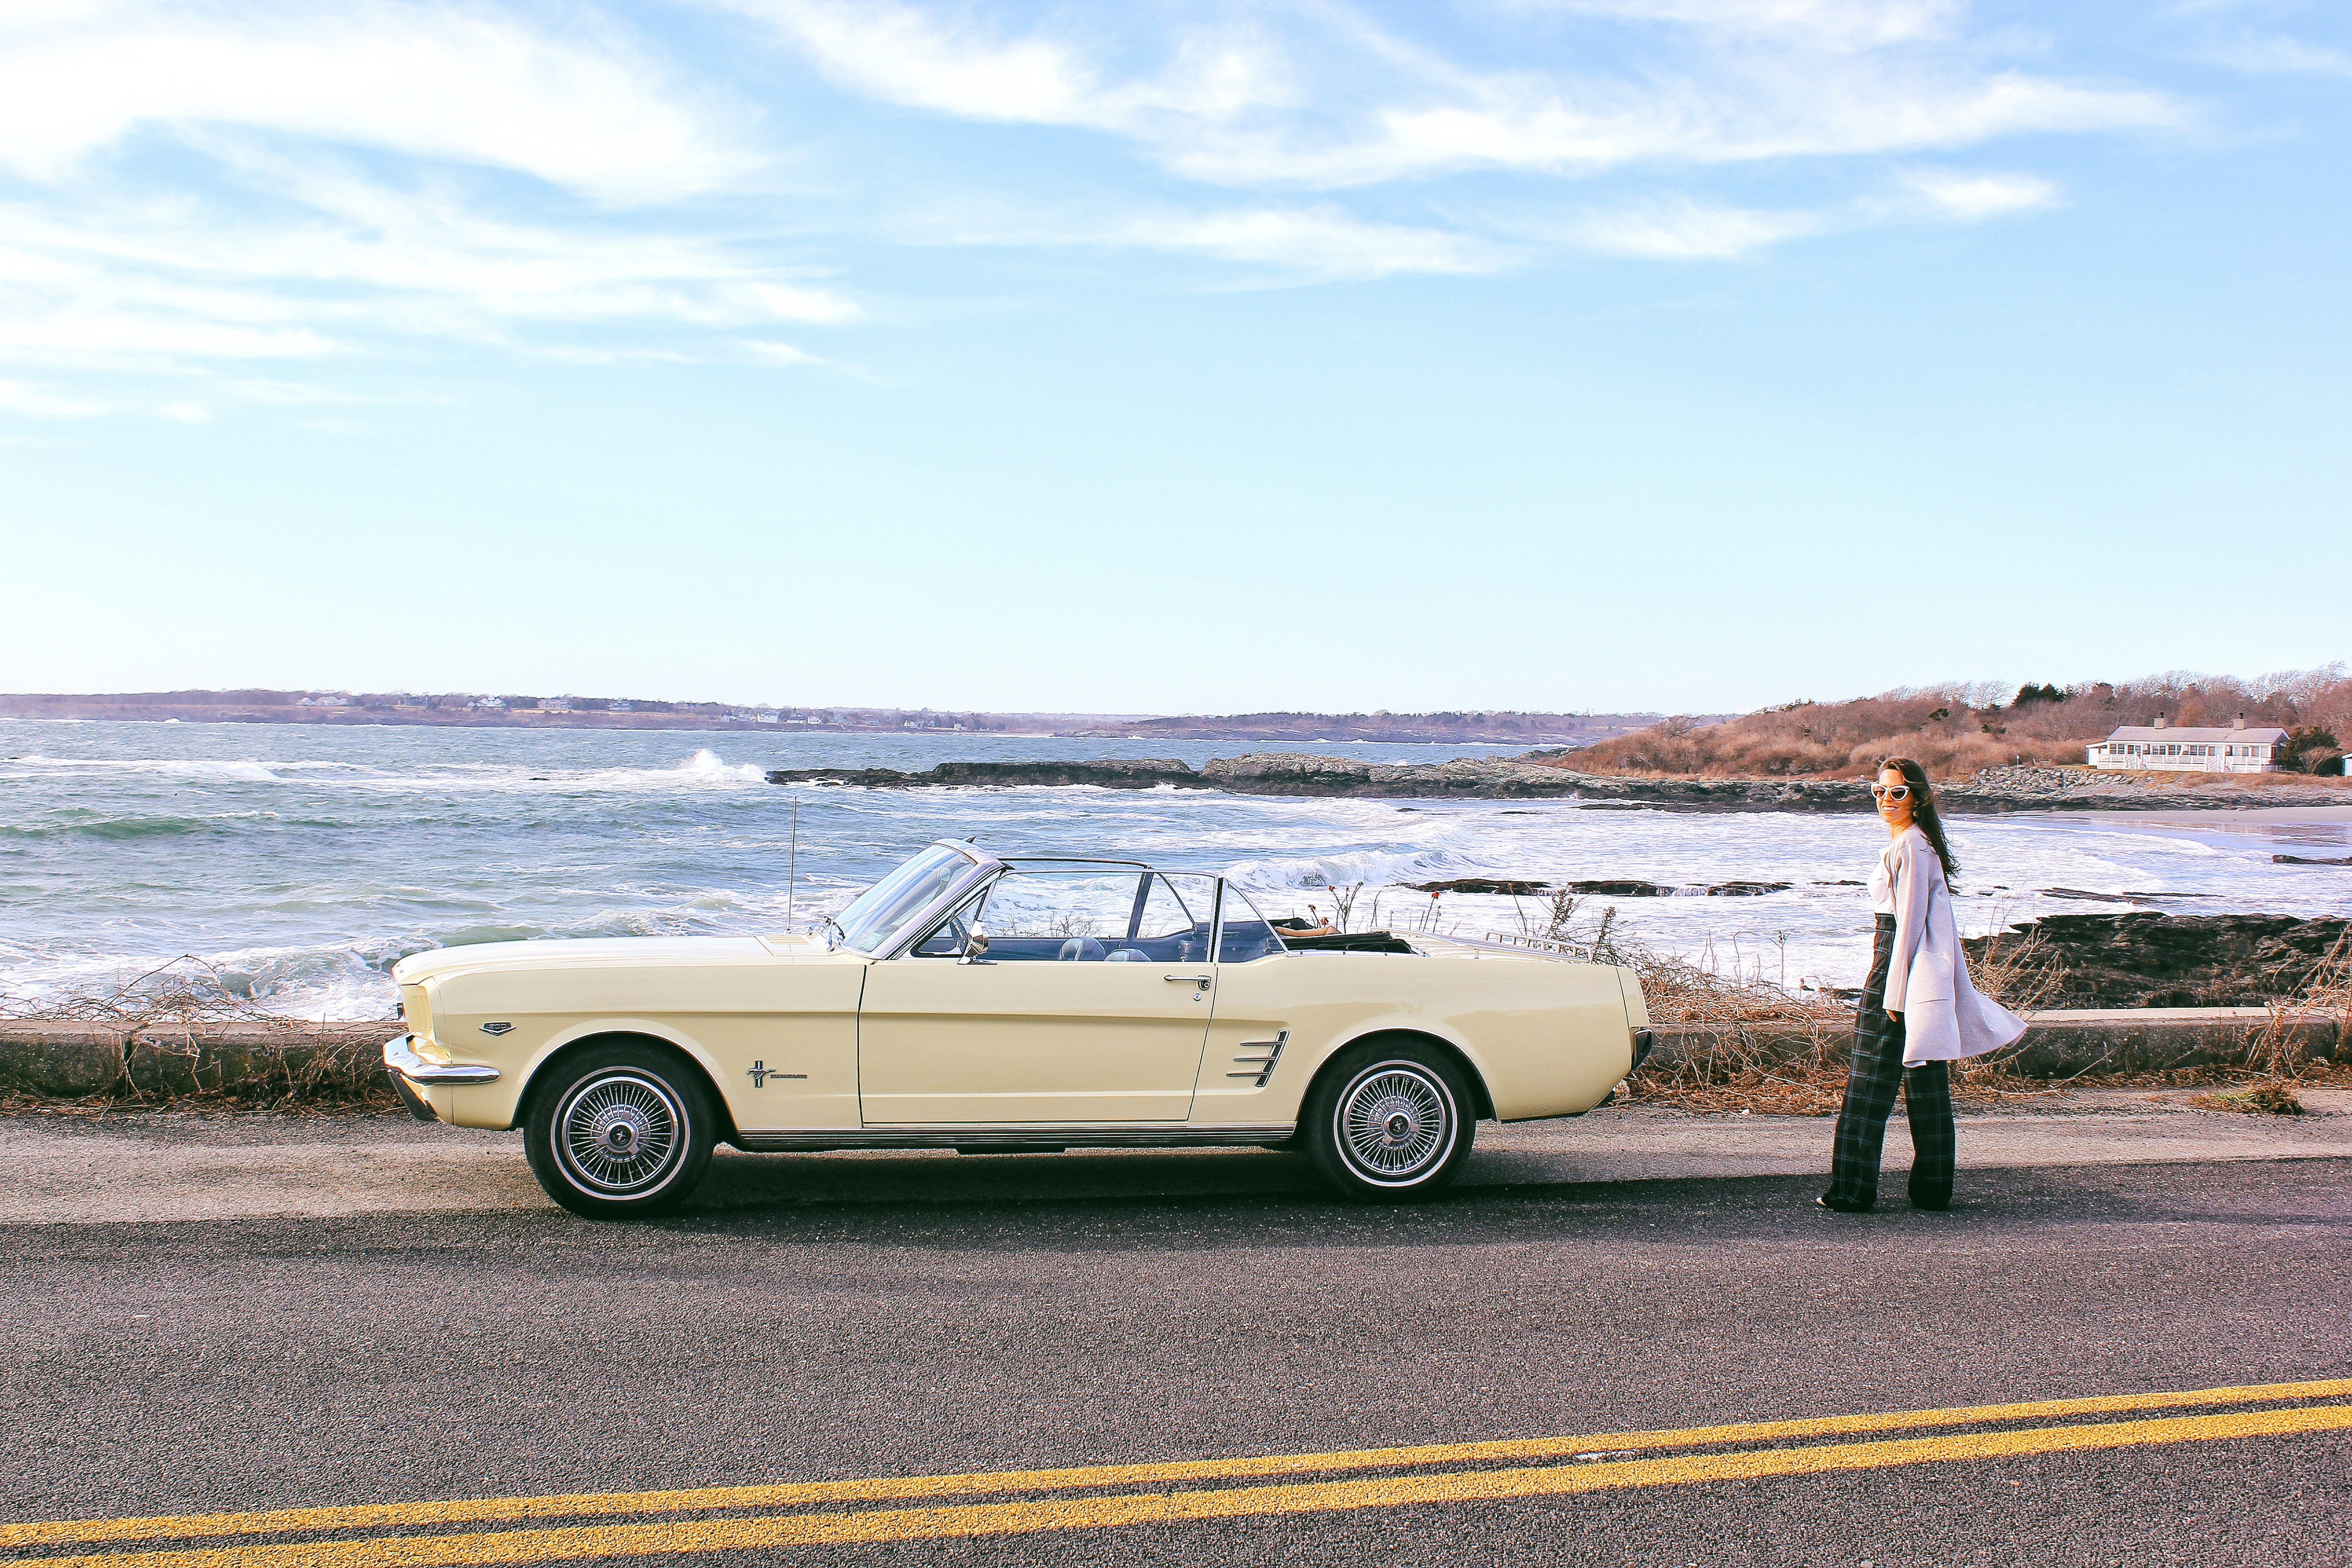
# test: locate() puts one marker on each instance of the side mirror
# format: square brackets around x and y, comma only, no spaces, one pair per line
[973,946]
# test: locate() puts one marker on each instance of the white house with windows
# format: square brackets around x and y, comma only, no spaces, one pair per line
[2236,750]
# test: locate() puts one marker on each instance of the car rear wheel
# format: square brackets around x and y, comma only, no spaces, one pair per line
[622,1130]
[1390,1121]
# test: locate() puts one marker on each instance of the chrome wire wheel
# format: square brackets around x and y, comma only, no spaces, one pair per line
[1395,1122]
[621,1134]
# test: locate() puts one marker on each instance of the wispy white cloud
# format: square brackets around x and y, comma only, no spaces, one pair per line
[204,188]
[1321,242]
[583,109]
[957,65]
[250,195]
[1279,244]
[1355,106]
[159,285]
[2281,57]
[1534,125]
[1680,230]
[1831,24]
[1967,196]
[41,402]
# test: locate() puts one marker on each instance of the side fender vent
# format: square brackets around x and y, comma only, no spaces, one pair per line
[1260,1065]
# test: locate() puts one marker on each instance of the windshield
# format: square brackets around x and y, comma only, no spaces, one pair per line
[882,910]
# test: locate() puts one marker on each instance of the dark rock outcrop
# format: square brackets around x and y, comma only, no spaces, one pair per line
[1512,778]
[2149,959]
[1623,887]
[1298,774]
[1108,773]
[2087,895]
[2304,860]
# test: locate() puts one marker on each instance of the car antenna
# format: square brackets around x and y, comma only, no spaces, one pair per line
[791,865]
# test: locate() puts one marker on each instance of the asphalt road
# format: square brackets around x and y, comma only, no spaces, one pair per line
[290,1362]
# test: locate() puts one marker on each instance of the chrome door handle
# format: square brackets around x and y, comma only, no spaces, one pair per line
[1202,980]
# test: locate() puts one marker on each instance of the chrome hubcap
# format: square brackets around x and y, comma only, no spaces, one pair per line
[621,1134]
[1396,1122]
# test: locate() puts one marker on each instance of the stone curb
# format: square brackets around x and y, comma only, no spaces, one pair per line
[62,1058]
[72,1059]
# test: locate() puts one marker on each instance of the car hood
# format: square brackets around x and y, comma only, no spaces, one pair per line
[602,953]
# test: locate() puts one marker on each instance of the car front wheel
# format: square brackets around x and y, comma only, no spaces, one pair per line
[623,1130]
[1389,1121]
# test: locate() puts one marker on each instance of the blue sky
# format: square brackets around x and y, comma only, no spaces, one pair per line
[1673,354]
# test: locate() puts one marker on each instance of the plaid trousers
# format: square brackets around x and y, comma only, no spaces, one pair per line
[1870,1086]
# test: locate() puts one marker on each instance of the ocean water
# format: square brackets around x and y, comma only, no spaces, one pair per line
[299,862]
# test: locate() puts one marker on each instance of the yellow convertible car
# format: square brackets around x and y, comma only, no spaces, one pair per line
[985,1003]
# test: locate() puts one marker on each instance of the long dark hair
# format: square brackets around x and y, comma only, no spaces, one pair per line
[1923,810]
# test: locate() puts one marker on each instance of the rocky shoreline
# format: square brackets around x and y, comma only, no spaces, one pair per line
[1997,790]
[1109,772]
[2148,959]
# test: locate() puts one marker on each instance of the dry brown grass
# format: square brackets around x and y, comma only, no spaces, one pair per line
[1956,731]
[2278,1060]
[1759,1048]
[169,1011]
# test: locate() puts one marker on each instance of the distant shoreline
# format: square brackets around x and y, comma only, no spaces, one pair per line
[472,712]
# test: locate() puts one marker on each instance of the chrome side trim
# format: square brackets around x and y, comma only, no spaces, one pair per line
[399,1058]
[1059,1135]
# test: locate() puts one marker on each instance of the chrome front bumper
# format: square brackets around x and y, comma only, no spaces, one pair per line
[407,1069]
[402,1059]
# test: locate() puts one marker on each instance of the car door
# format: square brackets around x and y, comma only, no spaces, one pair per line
[1089,1006]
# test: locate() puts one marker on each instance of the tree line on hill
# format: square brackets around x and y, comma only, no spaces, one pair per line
[1958,730]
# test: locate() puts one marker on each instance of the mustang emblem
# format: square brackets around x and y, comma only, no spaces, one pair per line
[761,1072]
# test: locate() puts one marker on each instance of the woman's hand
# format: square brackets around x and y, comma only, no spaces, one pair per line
[1894,1017]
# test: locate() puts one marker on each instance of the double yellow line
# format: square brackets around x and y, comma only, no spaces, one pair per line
[1595,1462]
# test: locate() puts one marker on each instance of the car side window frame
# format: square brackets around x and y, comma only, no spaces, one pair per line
[1217,931]
[977,902]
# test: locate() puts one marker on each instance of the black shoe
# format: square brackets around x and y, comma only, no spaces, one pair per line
[1937,1198]
[1841,1206]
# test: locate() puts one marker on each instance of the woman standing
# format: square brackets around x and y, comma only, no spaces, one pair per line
[1919,1013]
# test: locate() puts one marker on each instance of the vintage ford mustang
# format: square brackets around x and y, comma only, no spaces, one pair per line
[988,1004]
